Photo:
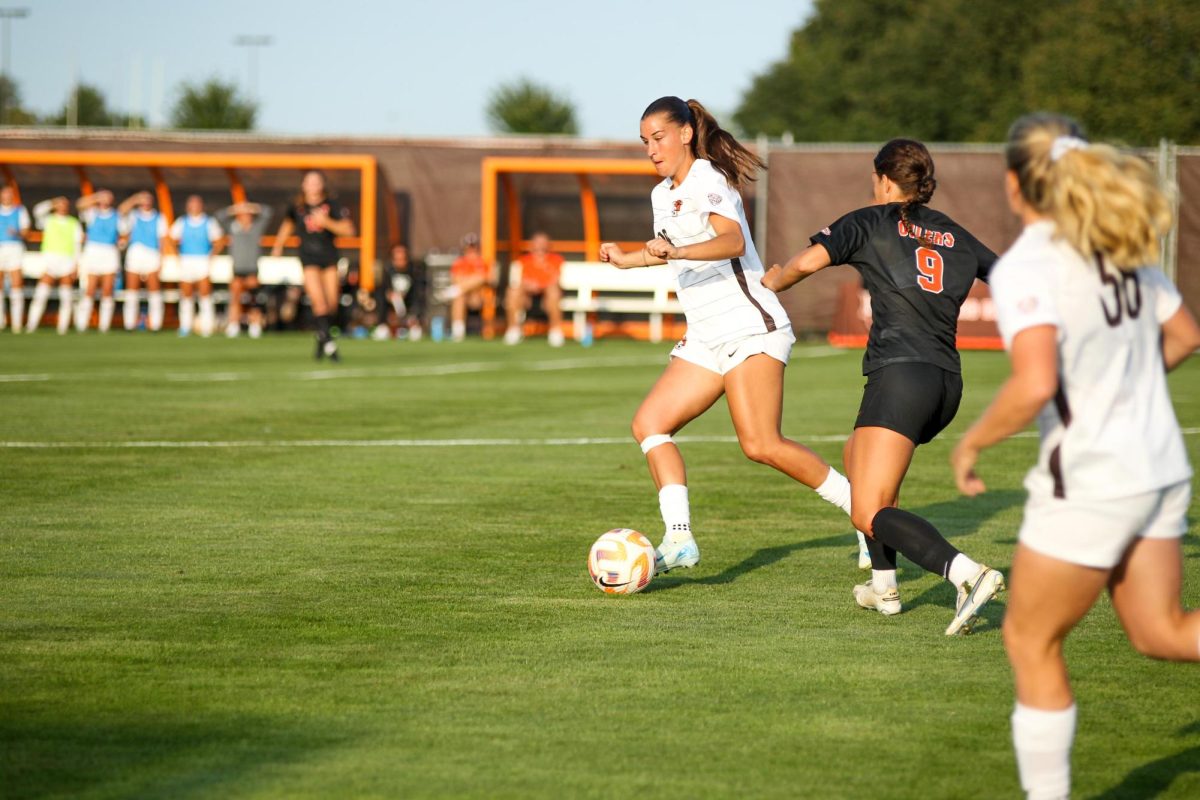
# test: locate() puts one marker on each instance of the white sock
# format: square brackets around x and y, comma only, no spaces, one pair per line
[962,569]
[208,316]
[107,304]
[156,311]
[65,295]
[83,313]
[676,513]
[458,330]
[17,297]
[186,310]
[3,321]
[130,309]
[41,294]
[883,579]
[1043,740]
[835,490]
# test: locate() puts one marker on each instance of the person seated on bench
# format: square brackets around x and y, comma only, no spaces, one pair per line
[535,273]
[469,276]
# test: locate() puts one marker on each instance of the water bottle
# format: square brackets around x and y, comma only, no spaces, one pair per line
[437,328]
[586,339]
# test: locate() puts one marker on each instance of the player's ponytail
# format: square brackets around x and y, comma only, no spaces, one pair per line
[709,140]
[907,164]
[1101,200]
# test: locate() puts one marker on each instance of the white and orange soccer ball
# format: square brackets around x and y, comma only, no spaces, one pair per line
[621,562]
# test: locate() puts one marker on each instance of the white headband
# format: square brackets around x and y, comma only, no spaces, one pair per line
[1065,143]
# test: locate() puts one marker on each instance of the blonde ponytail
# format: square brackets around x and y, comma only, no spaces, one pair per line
[1101,200]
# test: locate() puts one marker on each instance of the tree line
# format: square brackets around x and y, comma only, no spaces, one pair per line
[208,105]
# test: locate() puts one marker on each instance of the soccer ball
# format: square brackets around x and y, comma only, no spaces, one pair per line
[621,562]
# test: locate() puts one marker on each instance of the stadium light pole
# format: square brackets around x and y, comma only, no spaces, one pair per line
[252,44]
[8,15]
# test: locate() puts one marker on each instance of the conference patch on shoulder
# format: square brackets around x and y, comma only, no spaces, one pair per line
[715,199]
[826,231]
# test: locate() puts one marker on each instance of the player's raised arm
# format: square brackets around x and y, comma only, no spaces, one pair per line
[611,253]
[808,261]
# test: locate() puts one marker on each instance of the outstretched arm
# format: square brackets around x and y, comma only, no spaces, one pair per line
[1180,337]
[809,260]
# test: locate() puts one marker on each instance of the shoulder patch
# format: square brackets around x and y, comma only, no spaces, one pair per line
[826,231]
[715,199]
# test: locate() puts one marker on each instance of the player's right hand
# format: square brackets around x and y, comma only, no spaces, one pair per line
[773,278]
[610,253]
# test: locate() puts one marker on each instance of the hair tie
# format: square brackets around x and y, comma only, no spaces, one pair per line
[1063,144]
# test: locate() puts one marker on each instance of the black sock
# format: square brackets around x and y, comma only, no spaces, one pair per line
[882,556]
[322,321]
[915,538]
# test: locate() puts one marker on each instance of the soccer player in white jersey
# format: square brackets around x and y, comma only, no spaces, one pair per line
[738,336]
[1091,331]
[100,259]
[146,232]
[14,224]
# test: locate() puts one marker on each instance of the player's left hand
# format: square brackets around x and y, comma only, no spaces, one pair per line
[661,248]
[962,462]
[773,278]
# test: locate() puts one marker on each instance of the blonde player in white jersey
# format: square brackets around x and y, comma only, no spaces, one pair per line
[738,336]
[1091,331]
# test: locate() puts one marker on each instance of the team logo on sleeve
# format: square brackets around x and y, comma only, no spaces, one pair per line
[826,231]
[715,199]
[678,205]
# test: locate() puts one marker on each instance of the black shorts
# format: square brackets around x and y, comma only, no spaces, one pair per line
[914,399]
[320,264]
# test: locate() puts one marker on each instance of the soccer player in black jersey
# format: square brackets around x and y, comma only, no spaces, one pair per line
[317,218]
[918,265]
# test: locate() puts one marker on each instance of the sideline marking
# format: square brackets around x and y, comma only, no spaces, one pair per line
[514,442]
[23,378]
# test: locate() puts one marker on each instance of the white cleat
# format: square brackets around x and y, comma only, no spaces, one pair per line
[232,330]
[864,555]
[555,337]
[669,556]
[972,596]
[887,603]
[512,336]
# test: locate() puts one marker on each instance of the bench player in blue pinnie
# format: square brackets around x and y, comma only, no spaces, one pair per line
[199,238]
[100,259]
[14,224]
[146,230]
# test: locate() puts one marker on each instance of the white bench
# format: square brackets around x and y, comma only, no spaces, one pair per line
[591,287]
[272,270]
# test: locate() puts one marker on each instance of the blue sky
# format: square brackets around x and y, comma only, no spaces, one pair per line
[402,68]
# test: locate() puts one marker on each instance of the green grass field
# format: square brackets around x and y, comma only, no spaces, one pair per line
[369,580]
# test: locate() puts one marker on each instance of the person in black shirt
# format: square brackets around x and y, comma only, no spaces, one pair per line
[918,265]
[318,219]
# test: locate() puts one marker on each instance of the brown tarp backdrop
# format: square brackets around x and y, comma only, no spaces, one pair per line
[437,183]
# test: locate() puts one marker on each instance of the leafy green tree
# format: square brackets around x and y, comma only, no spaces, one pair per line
[526,107]
[12,111]
[213,105]
[90,109]
[961,70]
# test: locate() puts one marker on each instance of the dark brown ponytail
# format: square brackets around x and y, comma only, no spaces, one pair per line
[709,140]
[907,164]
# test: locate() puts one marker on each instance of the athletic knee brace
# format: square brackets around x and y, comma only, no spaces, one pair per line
[654,440]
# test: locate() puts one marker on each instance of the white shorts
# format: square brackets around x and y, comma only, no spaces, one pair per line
[1096,533]
[99,259]
[58,265]
[722,359]
[11,255]
[193,268]
[142,260]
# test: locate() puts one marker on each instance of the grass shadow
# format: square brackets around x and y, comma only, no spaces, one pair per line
[762,557]
[55,755]
[1151,780]
[963,516]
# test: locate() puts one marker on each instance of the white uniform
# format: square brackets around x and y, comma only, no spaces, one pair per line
[730,314]
[1112,465]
